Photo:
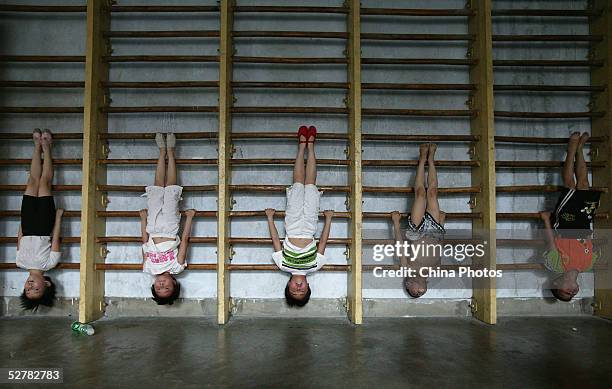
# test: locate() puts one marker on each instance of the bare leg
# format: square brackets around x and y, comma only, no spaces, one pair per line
[568,165]
[420,195]
[582,175]
[171,172]
[160,171]
[46,178]
[35,170]
[311,166]
[433,207]
[298,166]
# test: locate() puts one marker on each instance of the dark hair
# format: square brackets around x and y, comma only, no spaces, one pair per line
[170,299]
[292,301]
[47,299]
[406,283]
[556,293]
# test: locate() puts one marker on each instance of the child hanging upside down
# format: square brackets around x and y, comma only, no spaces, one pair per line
[38,240]
[163,251]
[299,254]
[426,220]
[569,230]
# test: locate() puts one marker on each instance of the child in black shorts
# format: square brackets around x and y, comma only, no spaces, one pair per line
[569,229]
[426,220]
[38,240]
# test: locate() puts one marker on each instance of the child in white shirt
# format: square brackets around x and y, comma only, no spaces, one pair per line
[299,253]
[38,239]
[162,250]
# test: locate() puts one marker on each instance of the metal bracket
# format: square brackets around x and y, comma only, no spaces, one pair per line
[468,4]
[473,201]
[473,306]
[105,150]
[592,54]
[104,201]
[347,203]
[472,151]
[231,252]
[106,99]
[471,101]
[234,99]
[232,150]
[347,253]
[469,54]
[233,308]
[592,103]
[594,152]
[104,251]
[232,202]
[596,305]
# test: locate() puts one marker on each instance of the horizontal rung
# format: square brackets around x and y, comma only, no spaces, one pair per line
[280,110]
[151,135]
[161,84]
[55,188]
[546,12]
[184,161]
[42,58]
[42,84]
[539,164]
[549,88]
[540,140]
[548,115]
[419,61]
[41,110]
[536,188]
[163,34]
[547,38]
[416,12]
[164,8]
[199,109]
[42,8]
[141,189]
[547,62]
[289,9]
[419,112]
[162,58]
[290,60]
[394,86]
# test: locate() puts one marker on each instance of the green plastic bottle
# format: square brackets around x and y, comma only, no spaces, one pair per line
[82,328]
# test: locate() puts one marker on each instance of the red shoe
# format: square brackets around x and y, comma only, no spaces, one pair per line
[312,131]
[303,131]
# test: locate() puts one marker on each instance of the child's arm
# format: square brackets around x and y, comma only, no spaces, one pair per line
[276,243]
[550,237]
[329,214]
[397,233]
[55,241]
[19,236]
[190,213]
[143,226]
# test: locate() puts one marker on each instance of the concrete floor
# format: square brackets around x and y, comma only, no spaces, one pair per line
[383,353]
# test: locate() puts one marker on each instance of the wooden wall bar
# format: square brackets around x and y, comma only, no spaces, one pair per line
[481,74]
[354,294]
[95,122]
[225,155]
[602,127]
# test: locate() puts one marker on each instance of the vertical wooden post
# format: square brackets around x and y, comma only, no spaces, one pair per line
[484,304]
[355,306]
[602,126]
[225,154]
[91,303]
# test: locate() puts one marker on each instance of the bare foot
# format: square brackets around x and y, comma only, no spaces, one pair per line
[574,137]
[37,136]
[432,150]
[583,139]
[46,137]
[423,149]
